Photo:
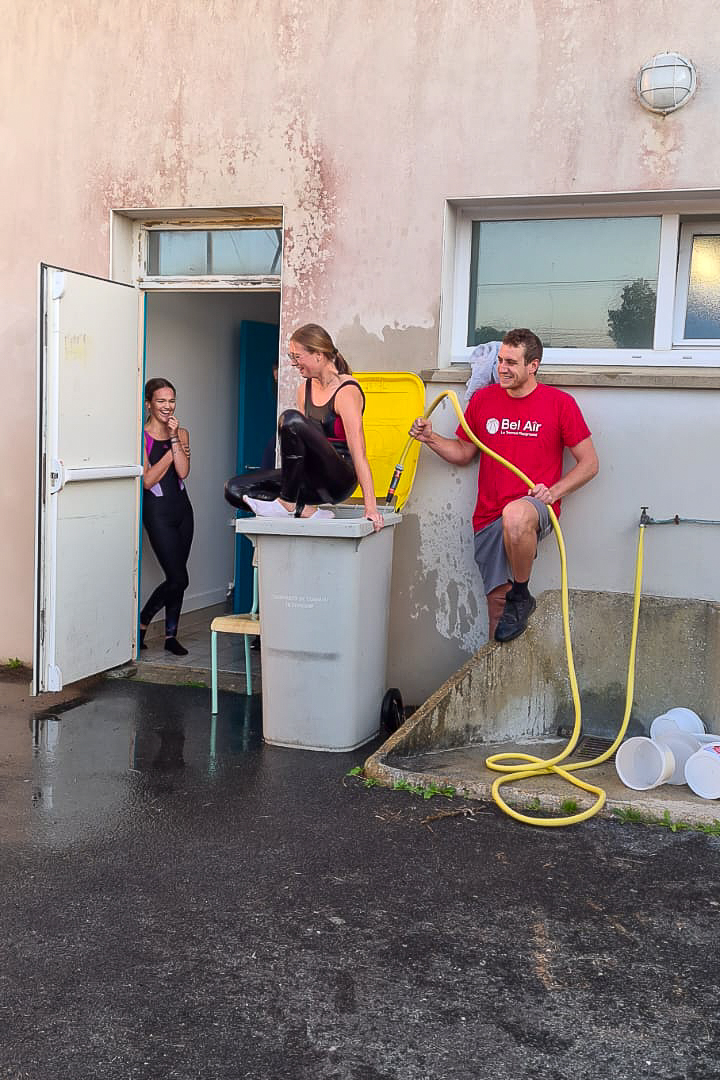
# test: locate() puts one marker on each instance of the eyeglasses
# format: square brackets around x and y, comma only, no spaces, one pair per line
[295,357]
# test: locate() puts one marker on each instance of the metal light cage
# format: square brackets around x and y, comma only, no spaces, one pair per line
[666,83]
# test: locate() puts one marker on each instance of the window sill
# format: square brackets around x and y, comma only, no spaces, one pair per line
[671,378]
[217,283]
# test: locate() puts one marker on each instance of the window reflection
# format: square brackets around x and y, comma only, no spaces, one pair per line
[578,282]
[245,251]
[199,252]
[702,319]
[177,252]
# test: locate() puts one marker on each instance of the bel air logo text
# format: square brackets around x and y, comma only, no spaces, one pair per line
[530,427]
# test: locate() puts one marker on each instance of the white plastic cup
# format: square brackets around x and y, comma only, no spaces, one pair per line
[702,771]
[663,725]
[683,746]
[643,763]
[686,720]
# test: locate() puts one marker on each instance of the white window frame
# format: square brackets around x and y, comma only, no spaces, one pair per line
[680,214]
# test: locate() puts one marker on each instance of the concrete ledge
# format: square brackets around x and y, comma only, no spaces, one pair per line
[517,697]
[466,772]
[659,378]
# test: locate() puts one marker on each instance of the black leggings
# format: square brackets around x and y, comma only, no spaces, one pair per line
[311,472]
[169,526]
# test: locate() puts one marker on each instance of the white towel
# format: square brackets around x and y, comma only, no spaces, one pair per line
[484,365]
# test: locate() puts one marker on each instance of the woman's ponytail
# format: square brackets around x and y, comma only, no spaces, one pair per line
[341,364]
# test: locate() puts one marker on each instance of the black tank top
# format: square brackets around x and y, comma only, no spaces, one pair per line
[326,418]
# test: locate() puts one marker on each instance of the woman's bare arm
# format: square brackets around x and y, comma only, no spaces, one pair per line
[348,406]
[180,449]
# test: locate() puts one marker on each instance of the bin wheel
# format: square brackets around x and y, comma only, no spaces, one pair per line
[392,710]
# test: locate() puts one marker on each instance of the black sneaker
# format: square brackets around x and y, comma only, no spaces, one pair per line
[514,618]
[173,646]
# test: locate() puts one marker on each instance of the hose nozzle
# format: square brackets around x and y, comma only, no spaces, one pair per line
[393,484]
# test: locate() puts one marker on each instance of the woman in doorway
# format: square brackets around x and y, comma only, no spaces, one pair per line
[322,445]
[167,513]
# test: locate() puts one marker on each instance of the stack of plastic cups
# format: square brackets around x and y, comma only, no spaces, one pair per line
[679,729]
[677,752]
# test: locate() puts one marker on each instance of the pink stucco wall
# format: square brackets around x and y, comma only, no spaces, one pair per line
[358,116]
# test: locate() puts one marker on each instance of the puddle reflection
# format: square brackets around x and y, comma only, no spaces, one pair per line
[46,733]
[102,760]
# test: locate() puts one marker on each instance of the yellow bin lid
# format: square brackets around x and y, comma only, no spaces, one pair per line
[392,401]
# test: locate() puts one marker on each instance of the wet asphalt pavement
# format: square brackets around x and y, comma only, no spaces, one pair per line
[186,903]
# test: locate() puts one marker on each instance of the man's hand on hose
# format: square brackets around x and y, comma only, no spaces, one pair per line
[421,429]
[541,492]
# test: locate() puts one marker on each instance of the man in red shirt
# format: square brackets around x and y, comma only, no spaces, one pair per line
[529,424]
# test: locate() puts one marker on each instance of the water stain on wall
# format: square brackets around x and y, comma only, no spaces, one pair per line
[397,348]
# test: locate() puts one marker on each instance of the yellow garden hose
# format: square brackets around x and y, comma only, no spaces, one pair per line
[527,765]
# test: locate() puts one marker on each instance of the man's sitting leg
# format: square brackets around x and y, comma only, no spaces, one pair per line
[519,606]
[521,522]
[496,605]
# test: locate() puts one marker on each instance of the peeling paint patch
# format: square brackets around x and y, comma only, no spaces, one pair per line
[399,347]
[449,590]
[310,227]
[307,241]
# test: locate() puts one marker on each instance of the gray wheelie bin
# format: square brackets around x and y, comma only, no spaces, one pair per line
[324,612]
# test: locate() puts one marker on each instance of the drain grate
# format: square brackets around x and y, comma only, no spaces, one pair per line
[591,746]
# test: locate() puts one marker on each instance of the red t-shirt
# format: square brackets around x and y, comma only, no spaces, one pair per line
[531,432]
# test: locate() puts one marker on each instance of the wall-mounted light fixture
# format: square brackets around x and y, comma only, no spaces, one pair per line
[666,82]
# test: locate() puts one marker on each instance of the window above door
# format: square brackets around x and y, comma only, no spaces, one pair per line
[215,248]
[602,280]
[249,252]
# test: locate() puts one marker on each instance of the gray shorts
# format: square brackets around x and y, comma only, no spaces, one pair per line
[490,549]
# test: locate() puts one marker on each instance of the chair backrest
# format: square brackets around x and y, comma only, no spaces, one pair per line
[392,401]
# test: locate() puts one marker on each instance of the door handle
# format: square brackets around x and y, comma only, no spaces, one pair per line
[60,475]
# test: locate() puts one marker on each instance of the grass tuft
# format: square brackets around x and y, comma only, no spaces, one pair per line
[628,815]
[447,791]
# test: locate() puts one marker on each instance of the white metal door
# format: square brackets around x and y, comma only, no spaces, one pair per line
[89,461]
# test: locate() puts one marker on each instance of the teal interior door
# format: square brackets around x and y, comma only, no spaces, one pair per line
[257,422]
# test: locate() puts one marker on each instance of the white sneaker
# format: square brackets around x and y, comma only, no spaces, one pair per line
[266,509]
